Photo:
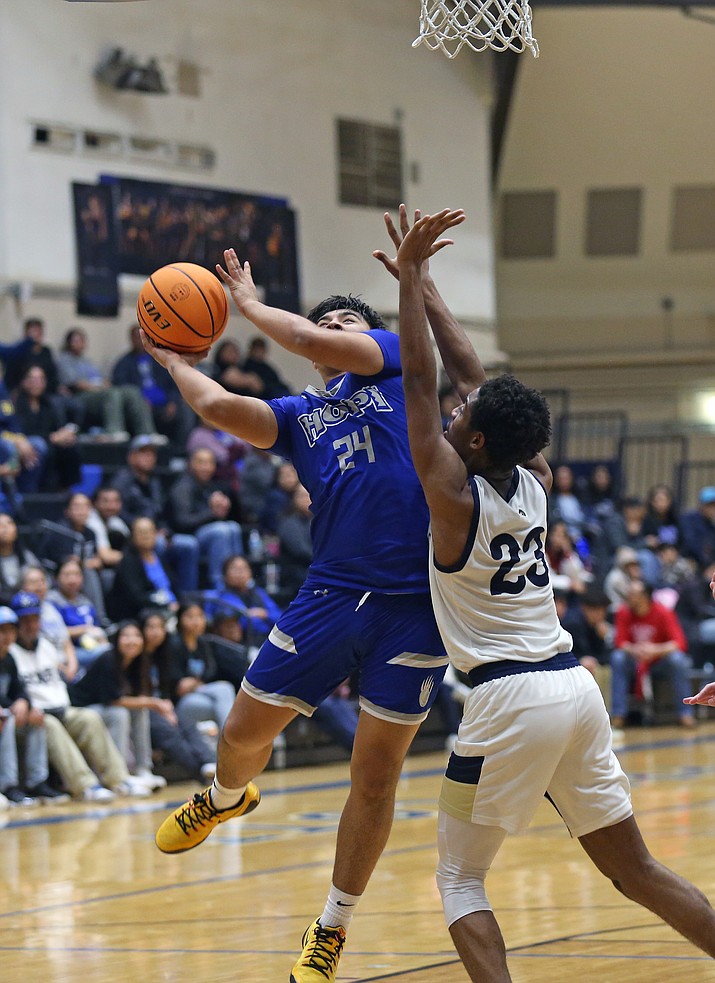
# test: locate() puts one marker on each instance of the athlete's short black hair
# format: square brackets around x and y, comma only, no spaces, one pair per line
[340,303]
[514,419]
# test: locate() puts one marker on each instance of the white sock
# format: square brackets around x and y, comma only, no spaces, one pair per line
[339,908]
[225,798]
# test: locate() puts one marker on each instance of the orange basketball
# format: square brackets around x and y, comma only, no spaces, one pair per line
[183,307]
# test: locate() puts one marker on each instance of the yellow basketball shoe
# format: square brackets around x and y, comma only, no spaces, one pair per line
[192,823]
[322,946]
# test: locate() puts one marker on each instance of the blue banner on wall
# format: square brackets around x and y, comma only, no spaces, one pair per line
[158,223]
[97,262]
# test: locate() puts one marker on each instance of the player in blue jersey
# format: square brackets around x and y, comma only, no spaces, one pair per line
[365,605]
[534,723]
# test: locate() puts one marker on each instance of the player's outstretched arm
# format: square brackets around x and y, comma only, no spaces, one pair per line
[245,417]
[347,351]
[461,362]
[706,696]
[439,467]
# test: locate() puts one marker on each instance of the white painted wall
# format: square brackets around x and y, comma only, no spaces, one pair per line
[620,97]
[274,77]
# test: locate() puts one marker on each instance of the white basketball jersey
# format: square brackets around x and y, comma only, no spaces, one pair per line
[497,602]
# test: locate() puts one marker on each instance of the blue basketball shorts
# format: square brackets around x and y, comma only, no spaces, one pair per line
[390,640]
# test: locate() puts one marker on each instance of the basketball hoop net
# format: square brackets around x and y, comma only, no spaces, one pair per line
[481,24]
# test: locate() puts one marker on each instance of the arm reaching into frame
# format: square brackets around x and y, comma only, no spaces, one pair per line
[461,362]
[344,350]
[244,416]
[441,470]
[706,696]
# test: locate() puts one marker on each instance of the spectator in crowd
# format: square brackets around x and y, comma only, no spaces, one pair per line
[598,499]
[625,528]
[181,743]
[22,732]
[11,502]
[296,548]
[118,409]
[143,496]
[673,569]
[40,417]
[21,456]
[696,611]
[697,529]
[110,530]
[227,370]
[72,536]
[257,478]
[33,352]
[78,613]
[279,499]
[660,524]
[138,483]
[14,555]
[52,625]
[567,570]
[227,449]
[171,416]
[592,633]
[203,507]
[626,568]
[227,643]
[337,717]
[195,687]
[142,580]
[256,363]
[76,736]
[565,505]
[257,610]
[118,686]
[649,641]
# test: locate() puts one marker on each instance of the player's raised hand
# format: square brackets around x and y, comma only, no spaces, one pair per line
[706,696]
[390,263]
[238,279]
[422,240]
[165,356]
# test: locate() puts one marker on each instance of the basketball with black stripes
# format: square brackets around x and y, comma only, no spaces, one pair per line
[183,307]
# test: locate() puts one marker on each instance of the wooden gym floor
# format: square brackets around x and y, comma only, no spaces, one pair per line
[87,896]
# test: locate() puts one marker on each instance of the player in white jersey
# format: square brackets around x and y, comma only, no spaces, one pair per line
[535,723]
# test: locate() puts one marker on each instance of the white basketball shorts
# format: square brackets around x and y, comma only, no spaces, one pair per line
[530,735]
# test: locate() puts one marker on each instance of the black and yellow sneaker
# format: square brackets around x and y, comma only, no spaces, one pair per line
[190,824]
[322,946]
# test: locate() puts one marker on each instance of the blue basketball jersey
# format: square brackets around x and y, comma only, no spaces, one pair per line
[349,446]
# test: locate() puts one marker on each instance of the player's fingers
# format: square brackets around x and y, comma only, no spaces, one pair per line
[404,221]
[391,230]
[146,340]
[440,244]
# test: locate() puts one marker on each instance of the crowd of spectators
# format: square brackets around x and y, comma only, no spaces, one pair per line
[127,622]
[632,583]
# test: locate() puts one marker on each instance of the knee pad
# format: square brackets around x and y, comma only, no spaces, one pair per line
[466,851]
[461,893]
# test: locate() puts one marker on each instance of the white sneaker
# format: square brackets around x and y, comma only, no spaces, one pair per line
[148,778]
[98,793]
[618,737]
[208,771]
[132,787]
